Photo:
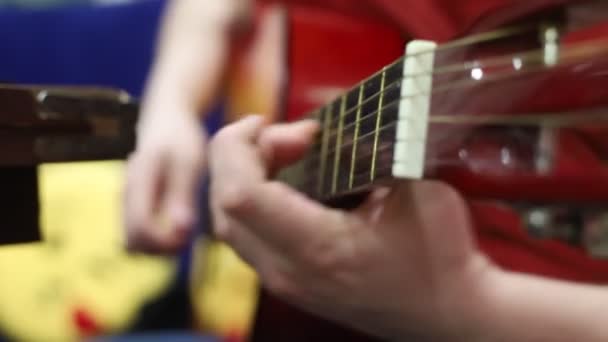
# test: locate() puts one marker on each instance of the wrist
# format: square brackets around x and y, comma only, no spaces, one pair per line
[458,309]
[166,105]
[165,112]
[482,310]
[469,311]
[166,89]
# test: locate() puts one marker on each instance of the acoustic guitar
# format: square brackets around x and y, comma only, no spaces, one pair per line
[515,118]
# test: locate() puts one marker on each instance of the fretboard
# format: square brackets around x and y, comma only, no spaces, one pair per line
[356,144]
[381,128]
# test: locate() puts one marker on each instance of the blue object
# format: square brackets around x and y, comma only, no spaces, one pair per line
[87,45]
[84,45]
[160,337]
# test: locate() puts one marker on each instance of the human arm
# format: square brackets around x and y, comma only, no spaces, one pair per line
[191,53]
[403,265]
[165,169]
[193,49]
[520,307]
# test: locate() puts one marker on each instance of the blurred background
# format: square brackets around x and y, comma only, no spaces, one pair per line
[79,283]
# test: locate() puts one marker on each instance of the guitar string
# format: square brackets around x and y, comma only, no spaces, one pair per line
[527,57]
[521,119]
[373,115]
[312,158]
[441,70]
[363,136]
[599,114]
[531,119]
[448,87]
[309,182]
[533,54]
[463,42]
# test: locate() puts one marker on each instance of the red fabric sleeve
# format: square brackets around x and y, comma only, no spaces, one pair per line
[434,19]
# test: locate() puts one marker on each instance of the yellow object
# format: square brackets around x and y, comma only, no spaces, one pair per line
[81,264]
[224,290]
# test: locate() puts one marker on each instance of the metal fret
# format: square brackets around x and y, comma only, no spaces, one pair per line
[334,184]
[324,147]
[378,123]
[355,137]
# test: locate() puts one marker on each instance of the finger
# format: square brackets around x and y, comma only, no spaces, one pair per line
[235,163]
[255,252]
[144,233]
[249,247]
[233,159]
[287,220]
[234,154]
[273,268]
[184,176]
[434,214]
[283,144]
[239,188]
[141,194]
[156,240]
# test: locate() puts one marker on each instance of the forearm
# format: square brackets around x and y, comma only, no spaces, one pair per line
[191,53]
[520,307]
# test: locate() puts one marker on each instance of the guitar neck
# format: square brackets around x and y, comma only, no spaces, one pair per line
[383,128]
[373,132]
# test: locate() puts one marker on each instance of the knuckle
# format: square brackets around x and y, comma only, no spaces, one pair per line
[222,136]
[191,146]
[276,186]
[136,159]
[130,240]
[324,259]
[450,192]
[223,231]
[280,285]
[188,158]
[135,237]
[329,256]
[443,191]
[281,189]
[147,145]
[217,145]
[139,225]
[233,197]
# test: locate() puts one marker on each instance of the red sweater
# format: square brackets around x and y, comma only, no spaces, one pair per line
[499,233]
[438,20]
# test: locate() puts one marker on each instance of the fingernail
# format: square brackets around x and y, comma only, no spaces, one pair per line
[182,217]
[182,232]
[254,118]
[313,125]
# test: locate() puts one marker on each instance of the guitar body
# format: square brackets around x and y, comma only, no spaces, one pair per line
[314,55]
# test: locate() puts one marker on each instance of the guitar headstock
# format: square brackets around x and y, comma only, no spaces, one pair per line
[507,120]
[517,116]
[521,120]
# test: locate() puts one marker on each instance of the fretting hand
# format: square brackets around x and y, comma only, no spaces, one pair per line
[403,263]
[403,266]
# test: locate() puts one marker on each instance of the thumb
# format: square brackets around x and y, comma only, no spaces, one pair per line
[436,214]
[284,144]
